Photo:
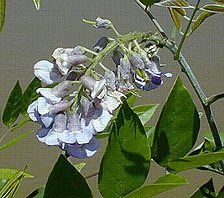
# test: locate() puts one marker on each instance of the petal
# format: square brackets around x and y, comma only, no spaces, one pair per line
[83,137]
[61,106]
[110,79]
[75,150]
[32,111]
[136,61]
[92,145]
[67,137]
[101,122]
[76,59]
[47,119]
[43,107]
[49,95]
[47,72]
[59,123]
[98,87]
[63,65]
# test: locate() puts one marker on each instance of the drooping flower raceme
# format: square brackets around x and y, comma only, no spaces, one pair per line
[72,129]
[70,118]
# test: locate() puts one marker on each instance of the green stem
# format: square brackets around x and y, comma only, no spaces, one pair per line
[214,98]
[191,77]
[154,21]
[15,127]
[176,57]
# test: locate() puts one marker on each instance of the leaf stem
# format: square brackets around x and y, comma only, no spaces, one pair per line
[176,57]
[14,127]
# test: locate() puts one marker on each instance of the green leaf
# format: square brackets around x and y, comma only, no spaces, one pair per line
[2,13]
[181,11]
[14,140]
[206,147]
[149,2]
[6,173]
[150,131]
[201,17]
[80,166]
[219,1]
[176,18]
[214,8]
[37,4]
[175,4]
[163,184]
[145,112]
[194,161]
[13,106]
[38,193]
[207,190]
[30,94]
[125,164]
[178,126]
[66,181]
[12,180]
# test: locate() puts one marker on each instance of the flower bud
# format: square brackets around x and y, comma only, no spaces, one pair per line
[136,61]
[102,23]
[101,44]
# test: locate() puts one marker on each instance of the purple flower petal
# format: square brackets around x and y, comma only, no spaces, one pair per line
[47,72]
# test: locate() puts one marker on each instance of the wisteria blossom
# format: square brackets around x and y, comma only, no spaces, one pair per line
[71,117]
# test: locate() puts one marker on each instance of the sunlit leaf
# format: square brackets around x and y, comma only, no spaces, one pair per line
[30,94]
[126,161]
[201,17]
[66,181]
[175,4]
[163,184]
[14,140]
[2,13]
[178,126]
[207,190]
[194,161]
[6,173]
[219,1]
[80,166]
[149,2]
[208,146]
[181,11]
[149,130]
[214,8]
[38,193]
[37,4]
[13,178]
[176,18]
[13,106]
[145,112]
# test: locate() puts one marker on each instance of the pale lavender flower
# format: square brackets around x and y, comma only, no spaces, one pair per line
[47,72]
[66,58]
[102,23]
[43,112]
[82,150]
[150,77]
[101,44]
[55,94]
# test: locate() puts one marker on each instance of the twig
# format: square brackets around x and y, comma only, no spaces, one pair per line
[176,57]
[155,22]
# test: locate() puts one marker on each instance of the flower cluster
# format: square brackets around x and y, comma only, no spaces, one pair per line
[69,117]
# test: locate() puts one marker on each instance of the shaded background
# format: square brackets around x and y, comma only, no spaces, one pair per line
[30,36]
